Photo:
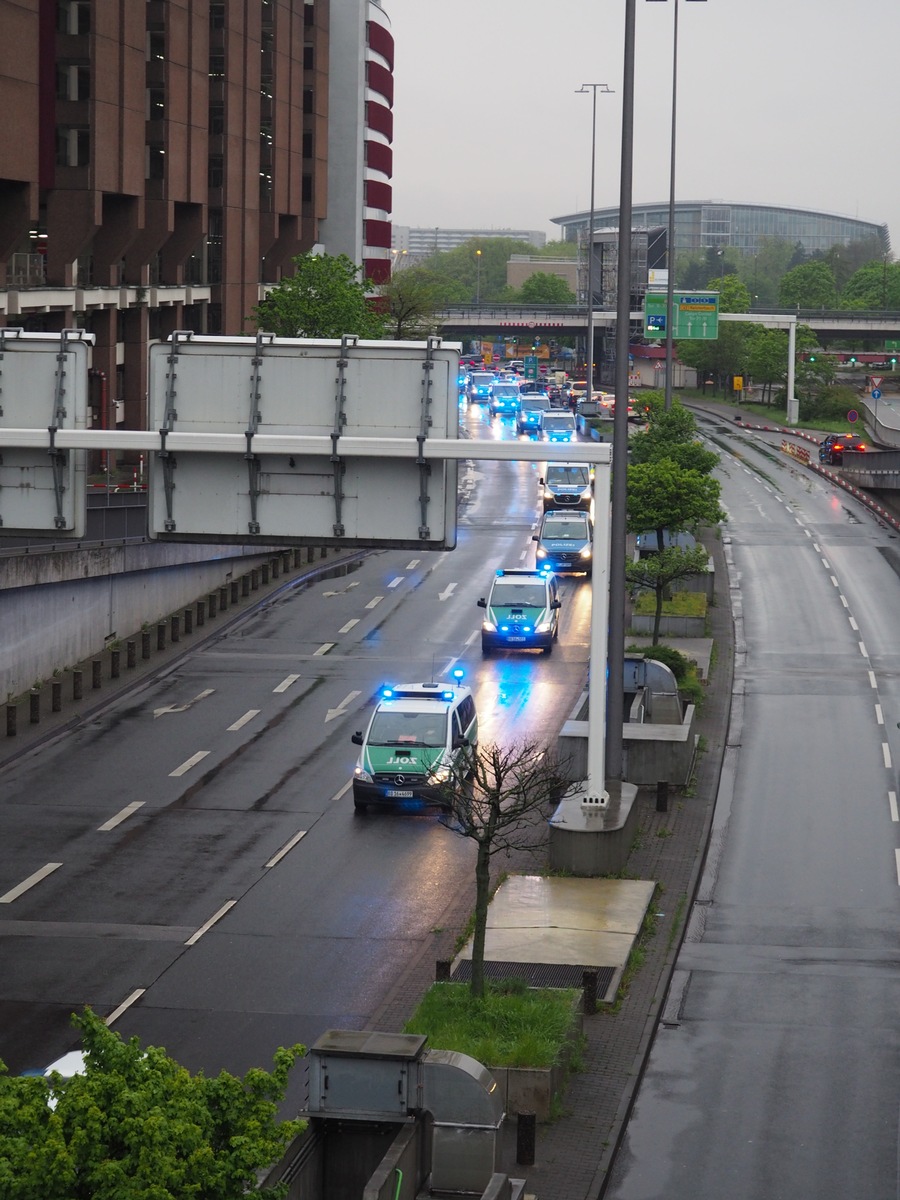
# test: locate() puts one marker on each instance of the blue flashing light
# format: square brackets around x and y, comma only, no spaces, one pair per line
[458,674]
[387,692]
[447,695]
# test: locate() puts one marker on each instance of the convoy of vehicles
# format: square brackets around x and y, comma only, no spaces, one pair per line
[521,611]
[504,398]
[417,738]
[558,426]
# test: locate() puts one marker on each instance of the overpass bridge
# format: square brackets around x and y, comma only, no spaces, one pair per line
[555,319]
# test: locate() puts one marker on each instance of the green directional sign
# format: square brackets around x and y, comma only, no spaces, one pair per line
[891,344]
[695,315]
[531,366]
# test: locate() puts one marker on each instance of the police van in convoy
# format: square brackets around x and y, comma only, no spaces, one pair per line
[418,737]
[521,612]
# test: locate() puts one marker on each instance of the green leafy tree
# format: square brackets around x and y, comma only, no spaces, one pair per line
[481,274]
[658,572]
[662,496]
[324,298]
[410,302]
[809,285]
[874,286]
[671,434]
[767,358]
[543,288]
[137,1126]
[499,797]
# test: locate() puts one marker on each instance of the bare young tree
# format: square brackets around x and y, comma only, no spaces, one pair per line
[500,797]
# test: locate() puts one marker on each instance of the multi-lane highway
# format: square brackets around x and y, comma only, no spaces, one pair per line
[193,854]
[775,1073]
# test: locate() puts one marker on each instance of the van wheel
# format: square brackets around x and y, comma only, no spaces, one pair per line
[360,806]
[486,650]
[548,649]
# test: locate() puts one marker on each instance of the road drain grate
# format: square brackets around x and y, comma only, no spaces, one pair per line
[553,975]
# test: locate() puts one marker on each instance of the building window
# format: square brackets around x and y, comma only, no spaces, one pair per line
[307,189]
[156,104]
[73,81]
[74,16]
[217,14]
[307,143]
[217,66]
[309,58]
[216,171]
[217,117]
[308,96]
[156,162]
[156,47]
[73,146]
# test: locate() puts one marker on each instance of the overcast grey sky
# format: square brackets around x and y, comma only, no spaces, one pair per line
[786,102]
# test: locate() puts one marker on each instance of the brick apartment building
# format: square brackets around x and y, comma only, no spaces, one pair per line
[161,161]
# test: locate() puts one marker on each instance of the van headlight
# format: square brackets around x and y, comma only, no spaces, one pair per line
[548,495]
[585,553]
[586,494]
[544,627]
[362,776]
[488,626]
[540,552]
[439,774]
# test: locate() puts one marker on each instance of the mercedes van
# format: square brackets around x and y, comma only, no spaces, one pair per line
[418,735]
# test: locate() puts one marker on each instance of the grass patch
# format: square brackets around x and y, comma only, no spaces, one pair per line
[681,604]
[513,1026]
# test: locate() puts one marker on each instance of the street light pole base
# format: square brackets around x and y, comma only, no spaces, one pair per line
[591,832]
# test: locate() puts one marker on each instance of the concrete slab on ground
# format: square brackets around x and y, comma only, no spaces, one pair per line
[555,920]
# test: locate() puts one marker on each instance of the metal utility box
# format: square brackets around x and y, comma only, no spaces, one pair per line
[362,1074]
[467,1107]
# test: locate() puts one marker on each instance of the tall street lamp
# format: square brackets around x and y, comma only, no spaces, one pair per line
[670,236]
[584,89]
[477,276]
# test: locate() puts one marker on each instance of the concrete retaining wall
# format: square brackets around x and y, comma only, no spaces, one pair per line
[58,609]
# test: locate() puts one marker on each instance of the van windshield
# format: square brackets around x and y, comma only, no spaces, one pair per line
[408,729]
[520,595]
[567,528]
[572,476]
[563,421]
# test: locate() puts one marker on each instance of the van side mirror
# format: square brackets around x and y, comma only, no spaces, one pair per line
[357,738]
[535,538]
[460,742]
[482,603]
[541,480]
[556,604]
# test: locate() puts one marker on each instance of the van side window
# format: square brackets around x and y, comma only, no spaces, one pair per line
[466,713]
[457,732]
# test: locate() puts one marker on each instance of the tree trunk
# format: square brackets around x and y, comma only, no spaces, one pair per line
[482,899]
[657,616]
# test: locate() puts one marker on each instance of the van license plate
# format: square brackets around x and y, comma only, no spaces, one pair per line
[395,795]
[515,639]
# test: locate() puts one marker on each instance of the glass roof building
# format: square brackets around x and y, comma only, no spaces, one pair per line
[746,227]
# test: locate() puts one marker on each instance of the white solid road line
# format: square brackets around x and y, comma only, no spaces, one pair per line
[21,888]
[242,721]
[346,628]
[375,600]
[188,763]
[126,1004]
[121,816]
[286,683]
[285,849]
[195,937]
